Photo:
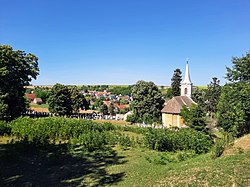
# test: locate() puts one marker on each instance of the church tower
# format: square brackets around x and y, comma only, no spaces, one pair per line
[186,85]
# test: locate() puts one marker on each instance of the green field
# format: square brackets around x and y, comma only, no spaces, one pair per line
[39,106]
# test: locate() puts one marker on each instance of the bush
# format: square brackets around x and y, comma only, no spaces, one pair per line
[221,144]
[174,140]
[4,128]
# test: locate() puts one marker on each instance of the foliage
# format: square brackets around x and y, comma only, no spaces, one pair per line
[194,117]
[234,104]
[212,95]
[123,101]
[240,71]
[59,100]
[199,96]
[87,88]
[77,100]
[111,109]
[133,119]
[123,90]
[221,144]
[42,93]
[234,108]
[16,71]
[179,139]
[104,109]
[4,128]
[176,83]
[147,102]
[164,158]
[44,130]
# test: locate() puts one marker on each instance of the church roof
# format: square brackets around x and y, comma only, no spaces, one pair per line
[175,104]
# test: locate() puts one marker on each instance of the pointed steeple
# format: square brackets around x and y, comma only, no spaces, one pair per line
[186,85]
[187,75]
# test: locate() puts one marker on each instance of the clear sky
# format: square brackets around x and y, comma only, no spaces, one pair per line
[123,41]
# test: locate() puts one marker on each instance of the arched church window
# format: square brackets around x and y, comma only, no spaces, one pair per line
[186,91]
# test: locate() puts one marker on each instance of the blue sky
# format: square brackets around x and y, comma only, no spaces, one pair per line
[123,41]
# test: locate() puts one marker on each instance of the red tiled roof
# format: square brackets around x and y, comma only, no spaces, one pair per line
[123,106]
[30,96]
[175,105]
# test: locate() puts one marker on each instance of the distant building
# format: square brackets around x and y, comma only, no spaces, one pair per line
[38,101]
[30,97]
[171,112]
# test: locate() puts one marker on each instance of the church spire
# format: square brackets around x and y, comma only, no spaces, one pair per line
[186,85]
[187,75]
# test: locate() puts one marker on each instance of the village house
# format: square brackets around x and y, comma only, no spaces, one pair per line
[171,112]
[30,97]
[38,101]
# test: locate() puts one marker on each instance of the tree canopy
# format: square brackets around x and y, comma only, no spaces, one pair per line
[147,102]
[194,117]
[17,68]
[212,95]
[60,100]
[240,70]
[176,83]
[234,103]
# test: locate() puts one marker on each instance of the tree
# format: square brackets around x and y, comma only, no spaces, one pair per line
[234,103]
[16,71]
[241,69]
[60,100]
[111,109]
[176,83]
[147,102]
[234,109]
[212,95]
[199,96]
[194,117]
[104,109]
[76,99]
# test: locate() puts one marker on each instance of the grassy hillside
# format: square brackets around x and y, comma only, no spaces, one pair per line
[62,164]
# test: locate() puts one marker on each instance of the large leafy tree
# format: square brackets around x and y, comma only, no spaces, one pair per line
[176,83]
[17,69]
[240,71]
[77,100]
[194,117]
[147,102]
[234,109]
[234,103]
[60,101]
[199,96]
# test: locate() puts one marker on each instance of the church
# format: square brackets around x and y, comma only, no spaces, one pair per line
[171,112]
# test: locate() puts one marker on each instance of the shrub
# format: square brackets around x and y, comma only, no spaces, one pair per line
[4,128]
[174,140]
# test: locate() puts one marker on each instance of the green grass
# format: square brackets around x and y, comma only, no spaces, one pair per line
[202,87]
[55,165]
[39,106]
[199,171]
